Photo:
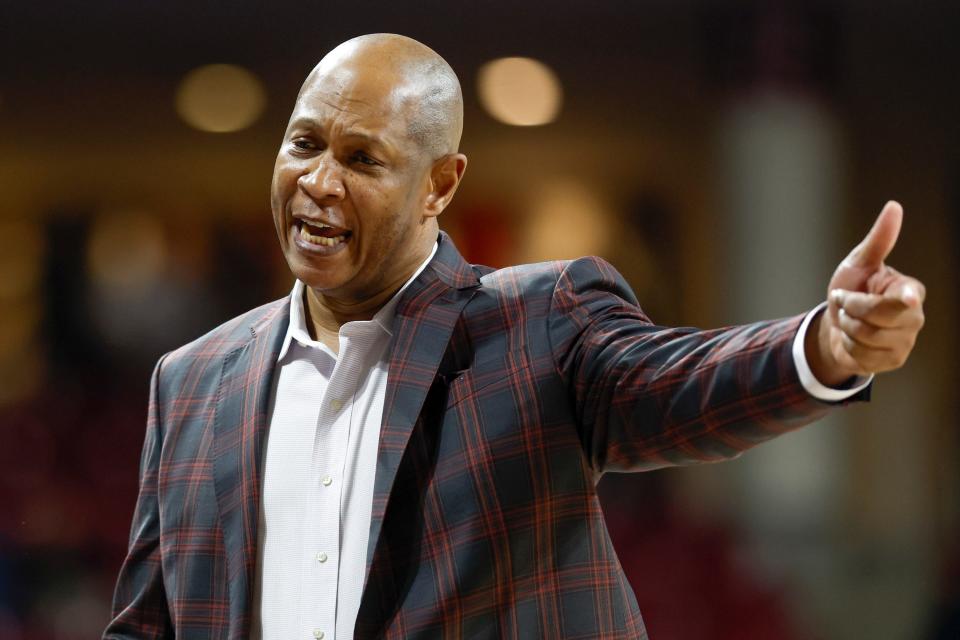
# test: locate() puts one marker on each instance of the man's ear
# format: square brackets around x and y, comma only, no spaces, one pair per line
[445,177]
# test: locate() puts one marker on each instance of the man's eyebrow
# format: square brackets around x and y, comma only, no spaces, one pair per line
[304,122]
[369,138]
[357,134]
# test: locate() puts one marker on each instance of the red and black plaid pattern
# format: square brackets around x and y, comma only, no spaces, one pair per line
[510,392]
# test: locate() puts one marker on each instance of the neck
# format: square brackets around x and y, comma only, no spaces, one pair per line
[325,314]
[328,314]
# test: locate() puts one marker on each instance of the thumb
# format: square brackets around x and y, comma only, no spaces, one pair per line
[880,240]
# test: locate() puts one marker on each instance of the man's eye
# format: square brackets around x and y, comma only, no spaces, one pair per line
[363,158]
[301,144]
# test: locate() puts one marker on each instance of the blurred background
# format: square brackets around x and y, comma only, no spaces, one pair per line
[723,155]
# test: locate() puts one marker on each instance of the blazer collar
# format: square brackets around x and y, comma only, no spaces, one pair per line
[450,267]
[426,317]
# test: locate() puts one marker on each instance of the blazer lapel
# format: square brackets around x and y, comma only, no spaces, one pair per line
[240,424]
[425,319]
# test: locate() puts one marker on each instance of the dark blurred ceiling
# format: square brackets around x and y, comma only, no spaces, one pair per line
[600,46]
[93,82]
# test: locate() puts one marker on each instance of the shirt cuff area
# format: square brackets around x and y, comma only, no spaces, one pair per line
[813,386]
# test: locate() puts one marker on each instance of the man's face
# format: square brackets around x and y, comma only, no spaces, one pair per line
[349,186]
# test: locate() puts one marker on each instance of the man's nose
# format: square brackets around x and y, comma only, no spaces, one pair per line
[324,180]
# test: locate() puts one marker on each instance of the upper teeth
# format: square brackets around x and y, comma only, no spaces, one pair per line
[328,242]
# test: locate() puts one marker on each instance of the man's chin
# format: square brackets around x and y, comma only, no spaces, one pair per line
[322,286]
[324,281]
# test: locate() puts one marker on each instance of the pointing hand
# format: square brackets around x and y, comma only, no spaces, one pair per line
[873,311]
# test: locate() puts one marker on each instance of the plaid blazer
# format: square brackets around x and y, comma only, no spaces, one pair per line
[509,393]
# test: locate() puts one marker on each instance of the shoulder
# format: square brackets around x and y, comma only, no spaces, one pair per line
[522,278]
[547,278]
[538,307]
[516,292]
[531,298]
[217,343]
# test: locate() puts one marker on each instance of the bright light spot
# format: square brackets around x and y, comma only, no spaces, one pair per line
[220,98]
[567,220]
[520,91]
[127,250]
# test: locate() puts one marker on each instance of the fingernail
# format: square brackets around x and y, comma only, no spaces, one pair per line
[836,296]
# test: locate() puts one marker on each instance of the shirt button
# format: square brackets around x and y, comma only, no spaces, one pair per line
[336,405]
[318,634]
[321,557]
[326,481]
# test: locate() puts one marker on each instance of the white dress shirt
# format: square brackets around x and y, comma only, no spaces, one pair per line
[319,469]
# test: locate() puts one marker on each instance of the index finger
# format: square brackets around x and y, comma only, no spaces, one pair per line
[880,310]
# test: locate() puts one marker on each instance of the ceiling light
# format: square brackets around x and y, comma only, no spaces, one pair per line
[520,91]
[220,98]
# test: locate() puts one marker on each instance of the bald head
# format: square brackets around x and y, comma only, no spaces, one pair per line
[419,84]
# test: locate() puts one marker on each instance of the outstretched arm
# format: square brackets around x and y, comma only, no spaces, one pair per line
[649,396]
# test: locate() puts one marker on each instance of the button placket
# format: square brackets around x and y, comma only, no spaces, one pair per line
[333,436]
[335,429]
[324,522]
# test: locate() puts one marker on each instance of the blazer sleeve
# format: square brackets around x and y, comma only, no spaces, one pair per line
[139,602]
[648,396]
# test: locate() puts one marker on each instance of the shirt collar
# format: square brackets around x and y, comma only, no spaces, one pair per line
[297,329]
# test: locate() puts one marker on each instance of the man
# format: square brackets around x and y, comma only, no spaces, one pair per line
[408,445]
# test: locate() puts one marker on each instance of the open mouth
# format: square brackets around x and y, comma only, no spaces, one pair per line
[321,234]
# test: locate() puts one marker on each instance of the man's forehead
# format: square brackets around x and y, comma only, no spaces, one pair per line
[355,90]
[371,118]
